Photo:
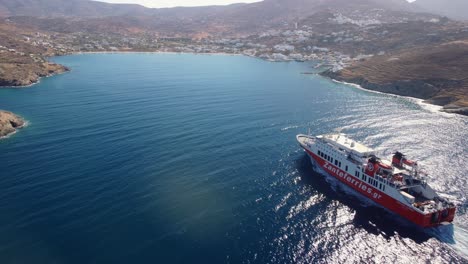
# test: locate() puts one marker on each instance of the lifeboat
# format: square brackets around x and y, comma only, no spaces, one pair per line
[399,159]
[385,166]
[409,162]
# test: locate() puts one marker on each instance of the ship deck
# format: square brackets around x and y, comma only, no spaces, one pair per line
[342,141]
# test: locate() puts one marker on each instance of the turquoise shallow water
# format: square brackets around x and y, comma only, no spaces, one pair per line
[170,158]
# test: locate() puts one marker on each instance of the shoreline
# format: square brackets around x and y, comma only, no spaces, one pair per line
[64,69]
[34,83]
[421,102]
[26,123]
[10,124]
[153,52]
[192,53]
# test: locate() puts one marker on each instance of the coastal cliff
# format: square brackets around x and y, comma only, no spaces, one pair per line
[15,74]
[22,56]
[9,123]
[436,74]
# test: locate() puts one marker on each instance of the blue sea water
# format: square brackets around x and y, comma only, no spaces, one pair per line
[180,158]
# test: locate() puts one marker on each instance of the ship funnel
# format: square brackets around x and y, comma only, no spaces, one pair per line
[372,166]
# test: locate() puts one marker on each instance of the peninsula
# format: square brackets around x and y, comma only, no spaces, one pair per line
[22,57]
[436,74]
[22,63]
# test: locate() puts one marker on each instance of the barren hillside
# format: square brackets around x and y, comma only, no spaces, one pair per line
[435,73]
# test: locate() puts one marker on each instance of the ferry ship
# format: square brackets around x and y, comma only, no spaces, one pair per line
[398,185]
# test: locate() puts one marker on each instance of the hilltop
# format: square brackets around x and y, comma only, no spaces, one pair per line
[67,8]
[455,9]
[232,19]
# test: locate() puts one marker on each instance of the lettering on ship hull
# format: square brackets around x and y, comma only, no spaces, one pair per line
[375,195]
[352,181]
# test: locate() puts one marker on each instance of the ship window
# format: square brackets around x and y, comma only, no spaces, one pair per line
[336,162]
[380,186]
[383,187]
[339,164]
[346,168]
[331,160]
[319,152]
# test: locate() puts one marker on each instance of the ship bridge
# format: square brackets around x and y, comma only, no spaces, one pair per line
[347,144]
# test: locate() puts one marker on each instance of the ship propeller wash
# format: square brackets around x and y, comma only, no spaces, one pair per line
[398,185]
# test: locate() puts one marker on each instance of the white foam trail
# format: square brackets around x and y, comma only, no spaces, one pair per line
[289,127]
[461,240]
[426,106]
[26,123]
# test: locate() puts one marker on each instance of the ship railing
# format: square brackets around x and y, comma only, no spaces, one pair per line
[310,141]
[383,180]
[389,181]
[409,186]
[351,156]
[307,140]
[419,175]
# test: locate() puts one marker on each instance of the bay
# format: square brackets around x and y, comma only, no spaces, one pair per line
[182,158]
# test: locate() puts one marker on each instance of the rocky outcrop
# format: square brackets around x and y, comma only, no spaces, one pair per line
[15,74]
[9,123]
[437,74]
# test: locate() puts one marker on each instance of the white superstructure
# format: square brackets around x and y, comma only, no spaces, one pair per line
[398,184]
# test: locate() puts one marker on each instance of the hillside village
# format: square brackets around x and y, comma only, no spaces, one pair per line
[336,37]
[335,41]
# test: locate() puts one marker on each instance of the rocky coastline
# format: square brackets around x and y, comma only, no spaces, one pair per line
[20,75]
[411,88]
[9,123]
[434,73]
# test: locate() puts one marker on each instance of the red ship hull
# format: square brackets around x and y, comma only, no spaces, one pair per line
[423,220]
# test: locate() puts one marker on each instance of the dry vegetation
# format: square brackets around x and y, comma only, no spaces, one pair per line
[22,63]
[9,122]
[435,73]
